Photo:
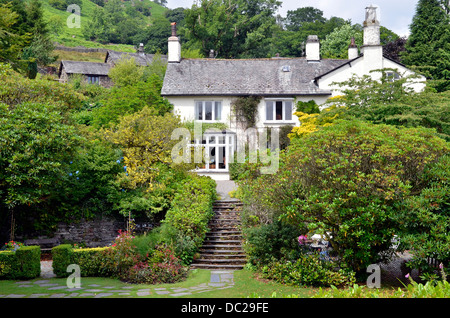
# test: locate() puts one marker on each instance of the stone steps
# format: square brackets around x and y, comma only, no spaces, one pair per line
[222,247]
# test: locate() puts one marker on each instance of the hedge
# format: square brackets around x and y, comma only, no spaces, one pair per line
[191,207]
[90,260]
[24,263]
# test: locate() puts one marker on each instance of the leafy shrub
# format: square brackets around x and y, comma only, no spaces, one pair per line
[426,220]
[12,246]
[350,180]
[23,263]
[440,289]
[161,267]
[308,270]
[62,257]
[356,177]
[191,207]
[16,89]
[121,256]
[271,242]
[91,261]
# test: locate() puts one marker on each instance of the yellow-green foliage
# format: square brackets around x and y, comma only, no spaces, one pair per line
[16,89]
[313,122]
[145,139]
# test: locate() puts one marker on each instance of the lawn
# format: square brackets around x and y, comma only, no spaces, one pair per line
[246,284]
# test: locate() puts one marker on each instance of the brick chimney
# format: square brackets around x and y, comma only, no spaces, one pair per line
[174,48]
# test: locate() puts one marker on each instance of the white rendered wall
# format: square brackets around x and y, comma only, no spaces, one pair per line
[362,66]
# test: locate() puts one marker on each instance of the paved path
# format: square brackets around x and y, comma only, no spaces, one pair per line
[223,188]
[219,280]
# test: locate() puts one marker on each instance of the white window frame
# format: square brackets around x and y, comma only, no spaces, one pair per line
[392,76]
[283,110]
[215,141]
[214,104]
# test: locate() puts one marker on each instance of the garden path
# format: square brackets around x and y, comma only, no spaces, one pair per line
[219,280]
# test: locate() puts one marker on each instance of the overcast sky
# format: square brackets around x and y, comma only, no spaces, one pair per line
[396,15]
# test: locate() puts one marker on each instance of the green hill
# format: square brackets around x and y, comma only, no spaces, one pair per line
[72,37]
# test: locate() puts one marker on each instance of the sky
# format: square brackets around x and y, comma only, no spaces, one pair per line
[396,15]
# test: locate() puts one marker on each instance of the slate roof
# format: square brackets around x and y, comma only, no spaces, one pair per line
[87,68]
[241,77]
[142,59]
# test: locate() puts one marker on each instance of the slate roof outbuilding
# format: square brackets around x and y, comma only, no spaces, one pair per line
[243,77]
[86,68]
[142,59]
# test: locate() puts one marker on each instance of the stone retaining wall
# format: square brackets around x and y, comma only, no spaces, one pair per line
[92,233]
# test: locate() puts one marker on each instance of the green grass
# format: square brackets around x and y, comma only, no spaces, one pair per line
[72,37]
[246,284]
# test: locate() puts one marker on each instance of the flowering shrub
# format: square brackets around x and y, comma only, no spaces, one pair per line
[122,255]
[12,246]
[161,267]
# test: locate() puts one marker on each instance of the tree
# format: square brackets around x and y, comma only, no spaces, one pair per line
[394,102]
[136,88]
[233,29]
[126,72]
[27,41]
[295,19]
[394,48]
[355,177]
[11,43]
[428,46]
[145,139]
[155,36]
[337,42]
[35,141]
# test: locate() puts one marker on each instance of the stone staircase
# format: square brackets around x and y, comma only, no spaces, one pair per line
[222,248]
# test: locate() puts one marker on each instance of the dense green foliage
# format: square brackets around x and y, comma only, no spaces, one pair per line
[308,270]
[428,46]
[394,103]
[24,36]
[24,263]
[364,175]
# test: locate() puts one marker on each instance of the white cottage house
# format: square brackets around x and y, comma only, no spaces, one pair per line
[203,90]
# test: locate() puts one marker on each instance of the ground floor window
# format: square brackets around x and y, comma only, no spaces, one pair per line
[92,79]
[218,150]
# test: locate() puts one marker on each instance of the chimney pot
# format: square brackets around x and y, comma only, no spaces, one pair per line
[174,28]
[174,46]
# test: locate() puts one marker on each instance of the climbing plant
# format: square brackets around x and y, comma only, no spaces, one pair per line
[246,109]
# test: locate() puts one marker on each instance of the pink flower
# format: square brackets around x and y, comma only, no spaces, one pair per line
[407,275]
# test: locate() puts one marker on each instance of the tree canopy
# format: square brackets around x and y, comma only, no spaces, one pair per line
[428,46]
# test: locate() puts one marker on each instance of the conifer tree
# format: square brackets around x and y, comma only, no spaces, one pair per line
[428,47]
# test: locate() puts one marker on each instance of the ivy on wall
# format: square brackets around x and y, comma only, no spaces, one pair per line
[246,109]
